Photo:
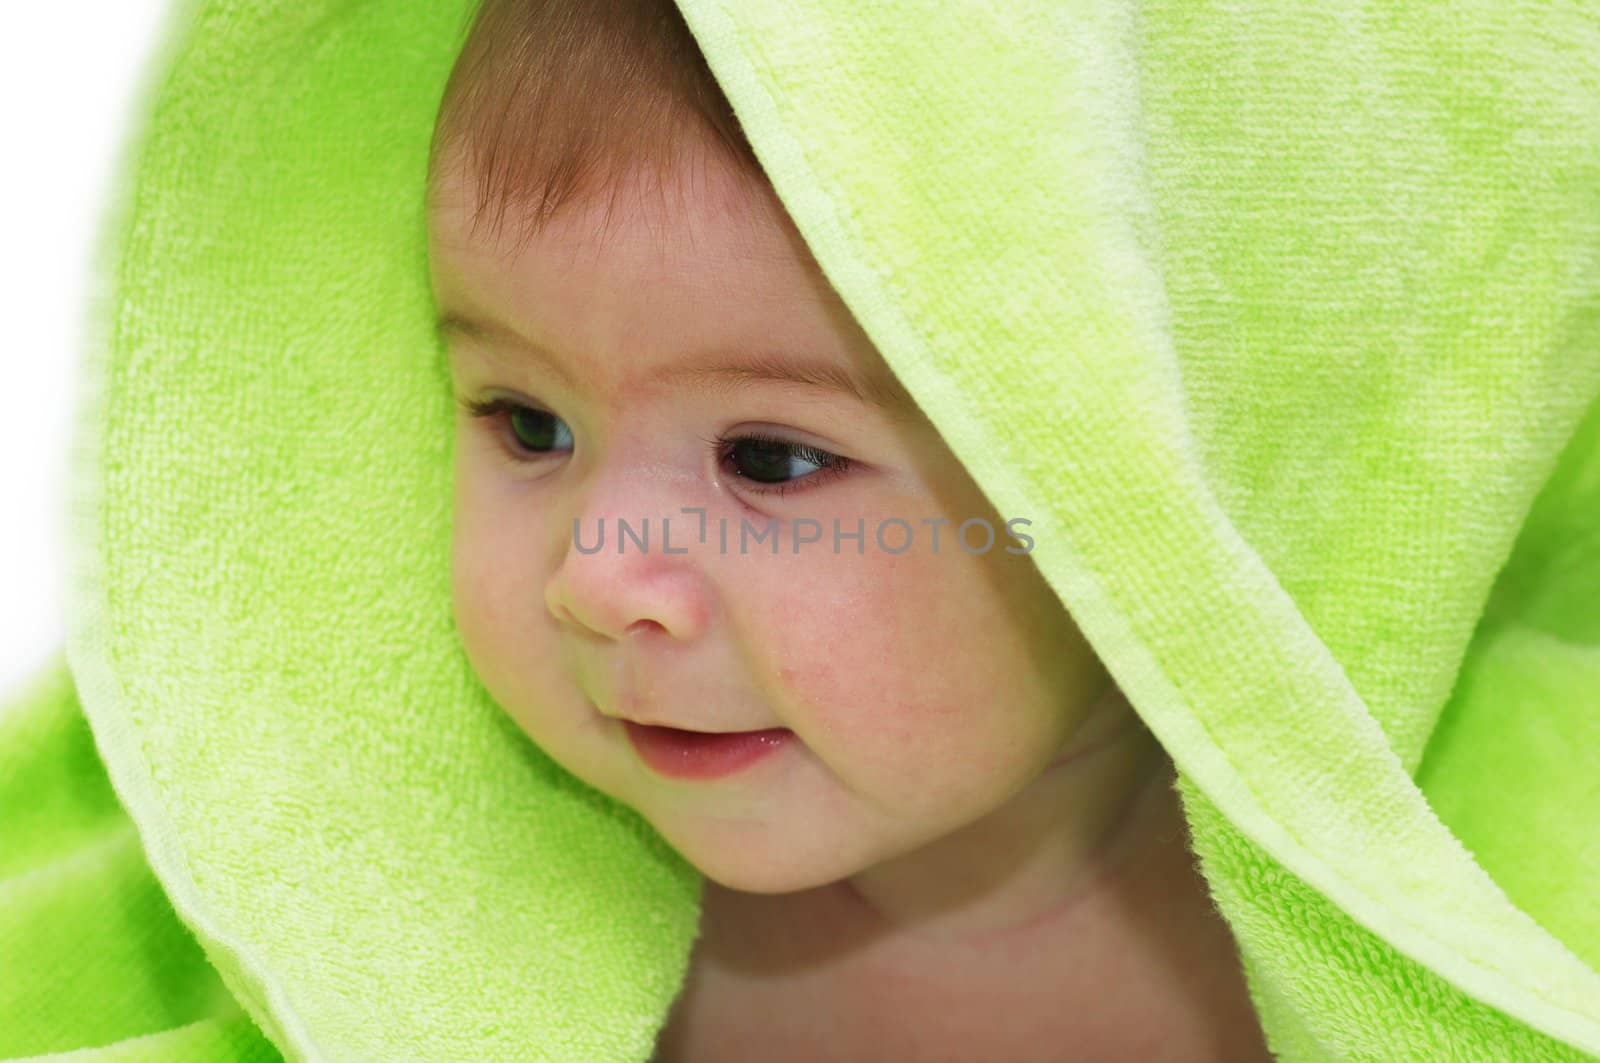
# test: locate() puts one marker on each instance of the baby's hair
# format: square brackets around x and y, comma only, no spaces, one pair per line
[557,100]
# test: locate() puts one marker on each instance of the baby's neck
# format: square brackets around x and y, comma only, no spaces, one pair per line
[1138,952]
[1128,877]
[1143,842]
[1028,862]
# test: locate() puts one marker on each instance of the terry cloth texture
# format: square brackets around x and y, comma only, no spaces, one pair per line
[1280,322]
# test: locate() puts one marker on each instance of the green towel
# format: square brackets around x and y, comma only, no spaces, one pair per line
[1280,321]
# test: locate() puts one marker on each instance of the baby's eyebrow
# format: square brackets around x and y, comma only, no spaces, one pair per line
[714,371]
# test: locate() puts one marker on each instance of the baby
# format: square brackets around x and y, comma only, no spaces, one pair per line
[928,820]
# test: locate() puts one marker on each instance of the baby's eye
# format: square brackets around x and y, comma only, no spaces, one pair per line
[761,463]
[773,466]
[531,431]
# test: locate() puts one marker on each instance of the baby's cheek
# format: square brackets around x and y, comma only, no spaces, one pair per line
[474,595]
[498,610]
[868,657]
[908,688]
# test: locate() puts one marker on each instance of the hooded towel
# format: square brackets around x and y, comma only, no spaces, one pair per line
[1281,322]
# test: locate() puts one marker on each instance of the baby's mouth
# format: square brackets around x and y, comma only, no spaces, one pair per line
[684,754]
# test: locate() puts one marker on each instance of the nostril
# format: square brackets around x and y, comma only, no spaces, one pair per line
[641,626]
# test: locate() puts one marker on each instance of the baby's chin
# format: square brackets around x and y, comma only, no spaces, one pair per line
[772,865]
[747,877]
[812,854]
[759,872]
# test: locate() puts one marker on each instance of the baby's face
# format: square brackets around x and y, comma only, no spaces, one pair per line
[920,688]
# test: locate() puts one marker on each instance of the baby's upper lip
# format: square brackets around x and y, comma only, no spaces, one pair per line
[691,730]
[630,704]
[647,720]
[630,700]
[644,722]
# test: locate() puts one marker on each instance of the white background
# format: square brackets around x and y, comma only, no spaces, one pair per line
[69,78]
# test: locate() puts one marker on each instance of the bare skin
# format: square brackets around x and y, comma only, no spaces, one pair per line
[1133,964]
[966,849]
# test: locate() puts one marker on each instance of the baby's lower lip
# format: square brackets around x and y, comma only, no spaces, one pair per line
[696,755]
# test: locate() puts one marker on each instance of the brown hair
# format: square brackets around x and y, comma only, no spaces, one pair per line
[557,100]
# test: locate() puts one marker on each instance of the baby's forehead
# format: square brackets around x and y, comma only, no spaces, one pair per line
[698,191]
[705,243]
[672,250]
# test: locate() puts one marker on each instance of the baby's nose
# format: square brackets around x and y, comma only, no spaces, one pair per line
[619,583]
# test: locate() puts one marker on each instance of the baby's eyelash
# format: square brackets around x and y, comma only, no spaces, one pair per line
[498,411]
[828,465]
[484,407]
